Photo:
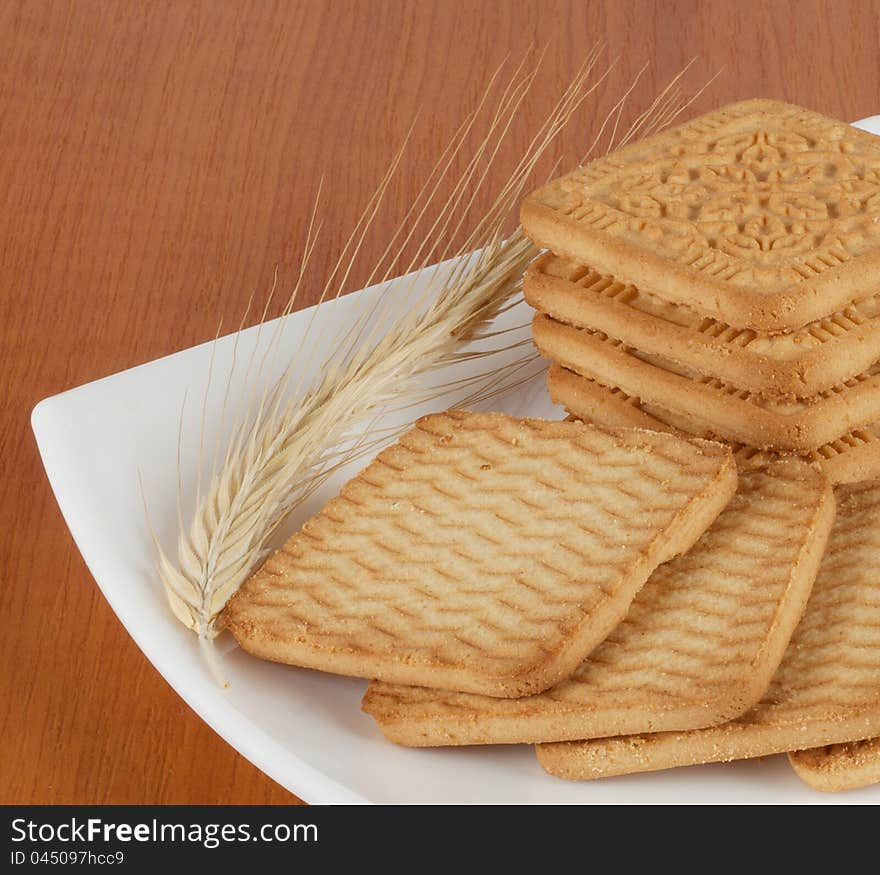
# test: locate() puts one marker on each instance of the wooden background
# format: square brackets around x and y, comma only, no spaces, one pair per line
[157,163]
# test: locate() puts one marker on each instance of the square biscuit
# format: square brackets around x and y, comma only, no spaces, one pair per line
[697,647]
[706,404]
[482,552]
[837,767]
[798,363]
[851,458]
[825,691]
[760,214]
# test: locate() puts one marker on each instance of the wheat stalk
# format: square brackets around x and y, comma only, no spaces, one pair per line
[290,437]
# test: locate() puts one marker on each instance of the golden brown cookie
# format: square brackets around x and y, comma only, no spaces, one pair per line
[838,767]
[698,646]
[760,214]
[850,459]
[826,690]
[802,363]
[482,553]
[704,403]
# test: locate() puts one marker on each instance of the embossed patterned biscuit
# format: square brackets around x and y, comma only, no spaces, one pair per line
[838,767]
[698,646]
[825,691]
[704,403]
[760,214]
[801,363]
[482,553]
[853,458]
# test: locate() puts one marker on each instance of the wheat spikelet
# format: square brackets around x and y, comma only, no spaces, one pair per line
[289,438]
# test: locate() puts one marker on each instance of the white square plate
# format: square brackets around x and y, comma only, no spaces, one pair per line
[304,729]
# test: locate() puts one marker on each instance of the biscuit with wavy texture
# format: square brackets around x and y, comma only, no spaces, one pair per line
[482,552]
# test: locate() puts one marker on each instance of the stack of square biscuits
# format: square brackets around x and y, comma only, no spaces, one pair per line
[721,279]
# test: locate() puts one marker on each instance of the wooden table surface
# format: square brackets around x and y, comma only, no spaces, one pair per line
[157,165]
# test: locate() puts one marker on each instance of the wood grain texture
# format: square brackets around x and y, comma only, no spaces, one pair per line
[157,164]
